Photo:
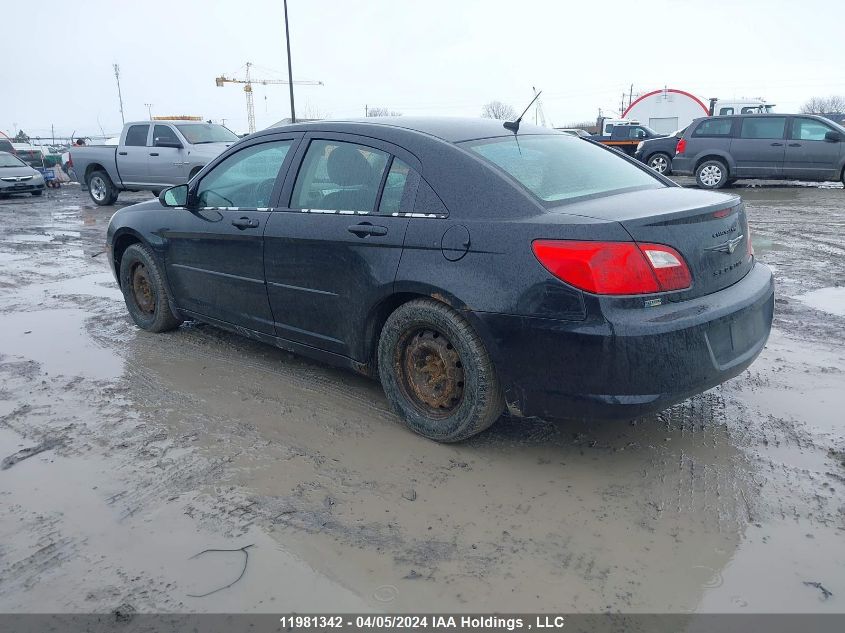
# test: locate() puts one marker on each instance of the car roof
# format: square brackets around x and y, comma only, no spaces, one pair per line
[451,129]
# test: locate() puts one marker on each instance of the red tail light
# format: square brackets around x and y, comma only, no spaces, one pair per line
[614,268]
[681,147]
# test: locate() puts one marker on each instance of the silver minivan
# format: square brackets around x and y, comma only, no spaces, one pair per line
[719,150]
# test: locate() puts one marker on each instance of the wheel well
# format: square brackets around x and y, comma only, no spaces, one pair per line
[377,318]
[120,245]
[721,159]
[92,168]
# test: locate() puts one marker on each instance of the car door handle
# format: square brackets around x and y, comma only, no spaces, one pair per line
[795,144]
[153,153]
[777,144]
[122,153]
[245,223]
[365,228]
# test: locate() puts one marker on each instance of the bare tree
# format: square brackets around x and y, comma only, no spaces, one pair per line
[498,110]
[834,104]
[382,112]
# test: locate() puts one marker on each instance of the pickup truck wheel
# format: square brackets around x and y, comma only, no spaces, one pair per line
[661,163]
[144,291]
[712,174]
[102,189]
[436,372]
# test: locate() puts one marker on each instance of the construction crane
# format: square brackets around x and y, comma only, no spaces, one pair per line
[250,107]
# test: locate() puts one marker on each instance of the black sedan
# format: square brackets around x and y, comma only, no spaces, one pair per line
[470,268]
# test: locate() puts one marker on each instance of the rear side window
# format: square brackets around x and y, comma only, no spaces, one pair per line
[395,187]
[556,168]
[726,111]
[339,176]
[713,127]
[136,135]
[763,127]
[809,130]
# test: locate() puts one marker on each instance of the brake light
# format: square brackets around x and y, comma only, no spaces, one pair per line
[614,268]
[681,147]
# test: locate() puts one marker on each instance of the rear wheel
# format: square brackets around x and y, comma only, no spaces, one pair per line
[436,372]
[144,291]
[661,163]
[712,174]
[102,189]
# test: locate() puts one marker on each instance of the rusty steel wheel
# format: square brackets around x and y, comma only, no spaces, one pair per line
[142,290]
[436,372]
[430,372]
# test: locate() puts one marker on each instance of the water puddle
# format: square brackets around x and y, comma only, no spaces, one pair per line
[831,300]
[21,238]
[56,339]
[96,285]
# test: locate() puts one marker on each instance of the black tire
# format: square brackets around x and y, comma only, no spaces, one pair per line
[661,163]
[144,291]
[712,174]
[37,193]
[430,337]
[102,189]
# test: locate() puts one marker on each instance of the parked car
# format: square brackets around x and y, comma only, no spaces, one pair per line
[720,150]
[151,156]
[572,131]
[469,267]
[29,154]
[657,152]
[18,177]
[625,137]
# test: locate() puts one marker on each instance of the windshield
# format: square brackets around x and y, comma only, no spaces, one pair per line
[198,133]
[7,160]
[560,167]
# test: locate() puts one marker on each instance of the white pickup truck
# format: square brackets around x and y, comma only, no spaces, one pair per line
[151,156]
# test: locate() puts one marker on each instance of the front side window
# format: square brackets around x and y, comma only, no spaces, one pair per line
[339,176]
[164,133]
[763,127]
[556,168]
[714,127]
[809,130]
[245,179]
[136,135]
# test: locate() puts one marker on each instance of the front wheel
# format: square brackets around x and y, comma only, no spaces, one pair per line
[712,174]
[436,372]
[144,291]
[102,189]
[661,163]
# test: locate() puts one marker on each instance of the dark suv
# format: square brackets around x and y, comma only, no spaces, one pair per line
[722,149]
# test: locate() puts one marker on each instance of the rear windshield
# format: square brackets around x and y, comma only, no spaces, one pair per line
[558,167]
[199,133]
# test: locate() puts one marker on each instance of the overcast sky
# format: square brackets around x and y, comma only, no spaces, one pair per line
[418,57]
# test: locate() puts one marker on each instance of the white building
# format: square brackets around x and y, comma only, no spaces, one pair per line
[671,109]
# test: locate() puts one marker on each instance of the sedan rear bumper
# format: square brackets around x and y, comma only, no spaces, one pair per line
[634,361]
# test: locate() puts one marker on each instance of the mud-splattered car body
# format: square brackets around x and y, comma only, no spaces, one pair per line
[464,231]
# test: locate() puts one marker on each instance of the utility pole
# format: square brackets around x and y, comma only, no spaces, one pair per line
[366,111]
[290,71]
[149,110]
[631,96]
[119,95]
[53,133]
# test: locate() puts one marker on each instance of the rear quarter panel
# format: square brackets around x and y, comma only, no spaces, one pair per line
[87,159]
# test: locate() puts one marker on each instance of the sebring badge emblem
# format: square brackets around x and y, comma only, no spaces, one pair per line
[727,247]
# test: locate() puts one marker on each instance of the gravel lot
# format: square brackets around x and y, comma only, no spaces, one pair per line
[124,454]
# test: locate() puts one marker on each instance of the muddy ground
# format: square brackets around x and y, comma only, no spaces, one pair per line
[125,454]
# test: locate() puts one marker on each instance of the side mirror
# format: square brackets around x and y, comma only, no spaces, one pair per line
[166,142]
[832,136]
[174,196]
